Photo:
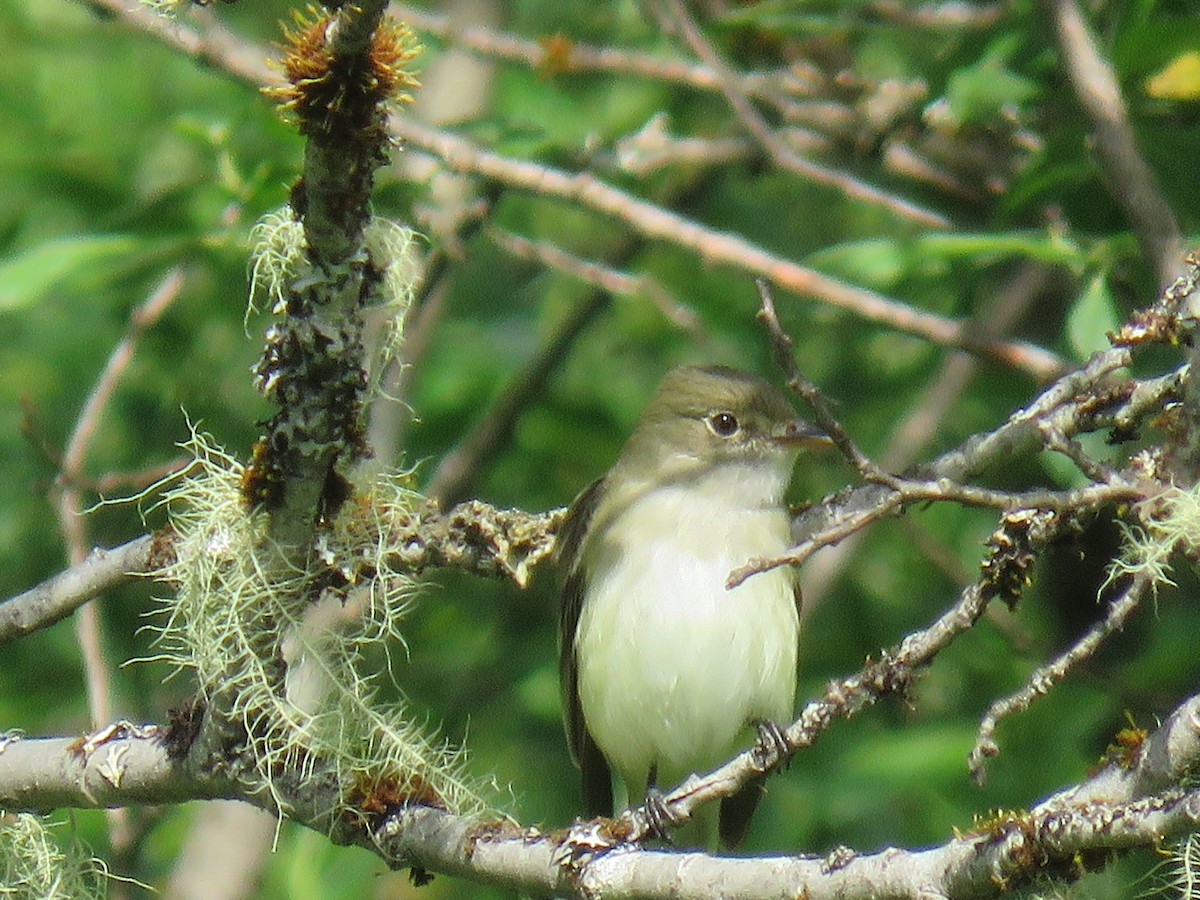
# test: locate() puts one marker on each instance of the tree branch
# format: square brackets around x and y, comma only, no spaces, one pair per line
[1045,677]
[778,150]
[120,765]
[472,536]
[1130,180]
[1132,803]
[658,223]
[58,597]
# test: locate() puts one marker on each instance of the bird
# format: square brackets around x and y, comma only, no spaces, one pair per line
[665,672]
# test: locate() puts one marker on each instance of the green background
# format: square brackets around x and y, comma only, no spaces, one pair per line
[122,158]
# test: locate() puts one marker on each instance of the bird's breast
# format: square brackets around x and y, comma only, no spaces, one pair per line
[671,664]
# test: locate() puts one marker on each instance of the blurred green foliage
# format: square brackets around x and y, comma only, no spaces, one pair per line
[123,159]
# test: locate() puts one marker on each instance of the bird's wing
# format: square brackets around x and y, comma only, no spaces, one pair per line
[597,784]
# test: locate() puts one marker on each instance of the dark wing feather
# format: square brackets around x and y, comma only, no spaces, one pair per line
[597,784]
[734,819]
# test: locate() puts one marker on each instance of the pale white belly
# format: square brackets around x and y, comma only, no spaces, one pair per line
[672,666]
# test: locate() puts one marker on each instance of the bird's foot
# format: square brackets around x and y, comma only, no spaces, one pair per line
[771,749]
[659,815]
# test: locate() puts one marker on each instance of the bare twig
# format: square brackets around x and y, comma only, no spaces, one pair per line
[658,223]
[1130,180]
[652,147]
[70,504]
[212,44]
[781,343]
[563,53]
[603,277]
[390,414]
[1045,677]
[58,597]
[906,492]
[919,427]
[1065,408]
[778,150]
[459,467]
[948,15]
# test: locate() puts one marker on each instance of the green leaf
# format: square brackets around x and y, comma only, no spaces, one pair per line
[1090,318]
[983,247]
[875,262]
[26,278]
[979,93]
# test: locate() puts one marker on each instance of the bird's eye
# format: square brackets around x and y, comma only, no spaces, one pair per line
[723,424]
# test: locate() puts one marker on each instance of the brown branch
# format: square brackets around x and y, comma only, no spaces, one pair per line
[575,56]
[603,277]
[778,150]
[458,468]
[1130,179]
[658,223]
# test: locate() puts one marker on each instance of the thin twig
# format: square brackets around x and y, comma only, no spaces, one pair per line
[781,343]
[779,152]
[458,469]
[603,277]
[950,15]
[1045,677]
[70,504]
[1130,180]
[1070,448]
[904,492]
[390,415]
[652,147]
[212,44]
[88,634]
[659,223]
[59,596]
[559,53]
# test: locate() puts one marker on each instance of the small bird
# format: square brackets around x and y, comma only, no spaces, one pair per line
[665,672]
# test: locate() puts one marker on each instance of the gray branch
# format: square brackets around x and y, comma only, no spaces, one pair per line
[473,536]
[1132,803]
[58,597]
[120,765]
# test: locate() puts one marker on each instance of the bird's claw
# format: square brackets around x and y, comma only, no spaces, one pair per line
[659,816]
[771,749]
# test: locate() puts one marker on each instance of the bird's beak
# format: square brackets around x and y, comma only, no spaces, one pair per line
[802,435]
